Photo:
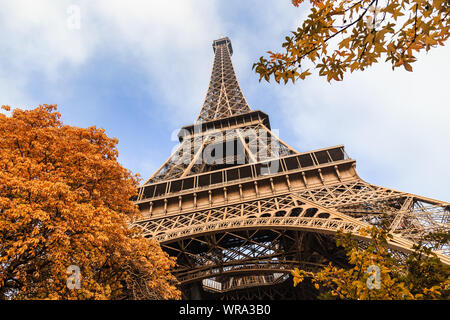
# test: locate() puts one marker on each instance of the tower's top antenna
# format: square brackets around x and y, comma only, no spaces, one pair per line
[223,41]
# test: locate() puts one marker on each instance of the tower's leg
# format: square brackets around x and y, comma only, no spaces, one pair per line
[195,291]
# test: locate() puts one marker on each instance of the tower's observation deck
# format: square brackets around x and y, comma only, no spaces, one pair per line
[223,41]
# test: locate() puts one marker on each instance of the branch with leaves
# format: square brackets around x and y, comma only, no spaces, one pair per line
[420,275]
[348,35]
[65,201]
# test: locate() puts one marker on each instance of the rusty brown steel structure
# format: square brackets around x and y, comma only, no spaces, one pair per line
[239,207]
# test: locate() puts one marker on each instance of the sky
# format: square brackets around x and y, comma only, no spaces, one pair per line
[140,70]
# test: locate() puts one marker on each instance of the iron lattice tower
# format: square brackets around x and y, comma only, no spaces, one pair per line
[239,207]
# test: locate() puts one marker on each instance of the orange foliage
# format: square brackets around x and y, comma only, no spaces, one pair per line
[341,36]
[65,200]
[313,2]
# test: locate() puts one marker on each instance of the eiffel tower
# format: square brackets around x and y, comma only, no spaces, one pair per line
[238,207]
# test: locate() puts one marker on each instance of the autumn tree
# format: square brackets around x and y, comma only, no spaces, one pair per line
[65,214]
[347,35]
[378,273]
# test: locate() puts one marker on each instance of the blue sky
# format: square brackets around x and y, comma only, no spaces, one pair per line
[140,69]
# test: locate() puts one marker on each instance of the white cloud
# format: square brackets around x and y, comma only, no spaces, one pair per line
[168,39]
[37,47]
[36,37]
[394,122]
